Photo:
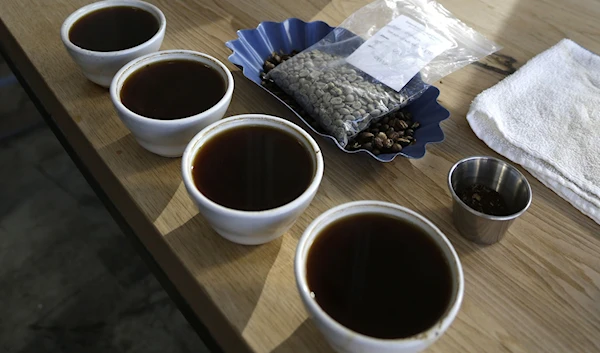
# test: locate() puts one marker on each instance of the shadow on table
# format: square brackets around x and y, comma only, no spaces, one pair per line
[152,180]
[558,207]
[442,218]
[306,335]
[77,82]
[202,251]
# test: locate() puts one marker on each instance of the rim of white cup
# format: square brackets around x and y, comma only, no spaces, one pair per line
[79,13]
[166,55]
[250,120]
[325,219]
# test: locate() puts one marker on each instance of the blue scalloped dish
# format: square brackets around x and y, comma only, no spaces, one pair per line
[253,46]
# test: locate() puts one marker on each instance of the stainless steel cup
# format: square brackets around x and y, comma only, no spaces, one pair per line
[497,175]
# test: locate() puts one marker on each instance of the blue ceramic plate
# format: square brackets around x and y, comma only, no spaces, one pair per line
[253,46]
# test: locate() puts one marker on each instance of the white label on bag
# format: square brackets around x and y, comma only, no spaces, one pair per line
[398,51]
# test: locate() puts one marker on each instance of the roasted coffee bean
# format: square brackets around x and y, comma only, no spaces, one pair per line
[268,66]
[277,58]
[365,136]
[393,135]
[401,125]
[378,142]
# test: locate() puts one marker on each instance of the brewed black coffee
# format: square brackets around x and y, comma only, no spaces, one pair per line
[173,89]
[253,168]
[113,28]
[379,276]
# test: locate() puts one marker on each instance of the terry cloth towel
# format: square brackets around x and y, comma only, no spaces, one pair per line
[546,117]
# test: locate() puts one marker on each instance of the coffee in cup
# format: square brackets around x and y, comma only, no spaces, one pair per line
[253,168]
[173,89]
[378,277]
[252,175]
[167,97]
[114,28]
[103,36]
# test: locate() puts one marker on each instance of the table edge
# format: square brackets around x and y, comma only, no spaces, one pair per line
[165,266]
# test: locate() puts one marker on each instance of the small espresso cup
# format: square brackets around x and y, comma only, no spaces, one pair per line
[169,138]
[100,67]
[340,337]
[251,227]
[497,175]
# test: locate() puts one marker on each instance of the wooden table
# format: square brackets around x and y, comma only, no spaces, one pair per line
[536,291]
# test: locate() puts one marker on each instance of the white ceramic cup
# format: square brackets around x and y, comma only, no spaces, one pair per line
[251,227]
[344,340]
[169,138]
[101,67]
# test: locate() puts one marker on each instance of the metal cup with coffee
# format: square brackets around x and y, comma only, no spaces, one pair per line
[482,219]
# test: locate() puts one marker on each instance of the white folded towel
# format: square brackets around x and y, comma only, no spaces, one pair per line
[546,117]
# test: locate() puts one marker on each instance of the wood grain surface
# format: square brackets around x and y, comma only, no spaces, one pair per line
[536,291]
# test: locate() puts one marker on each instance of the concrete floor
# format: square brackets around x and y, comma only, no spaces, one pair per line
[69,280]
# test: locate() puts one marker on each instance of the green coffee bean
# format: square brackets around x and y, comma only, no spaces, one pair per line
[336,100]
[336,94]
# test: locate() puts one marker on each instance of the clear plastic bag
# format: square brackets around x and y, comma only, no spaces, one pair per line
[401,47]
